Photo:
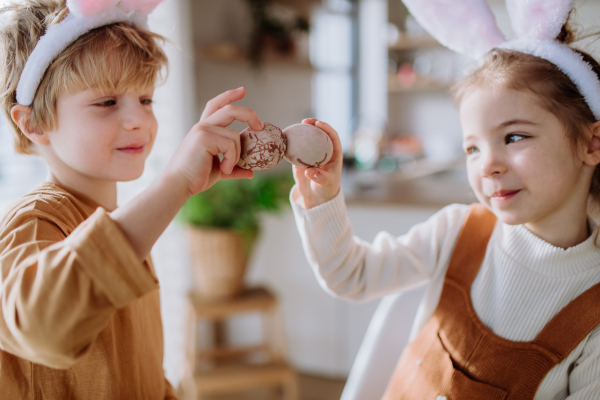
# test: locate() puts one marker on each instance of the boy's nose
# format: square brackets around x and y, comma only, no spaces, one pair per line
[136,117]
[492,164]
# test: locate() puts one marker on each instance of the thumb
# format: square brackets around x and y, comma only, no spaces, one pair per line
[301,180]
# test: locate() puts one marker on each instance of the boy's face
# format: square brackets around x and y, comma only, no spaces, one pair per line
[520,162]
[102,136]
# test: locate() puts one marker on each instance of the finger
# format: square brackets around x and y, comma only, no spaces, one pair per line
[222,100]
[214,144]
[318,175]
[239,173]
[335,138]
[228,133]
[314,174]
[229,113]
[310,121]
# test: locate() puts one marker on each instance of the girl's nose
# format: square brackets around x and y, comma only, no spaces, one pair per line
[492,164]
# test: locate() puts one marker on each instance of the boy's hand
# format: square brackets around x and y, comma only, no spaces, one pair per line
[319,185]
[196,160]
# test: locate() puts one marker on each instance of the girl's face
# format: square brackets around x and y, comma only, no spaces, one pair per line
[520,162]
[102,136]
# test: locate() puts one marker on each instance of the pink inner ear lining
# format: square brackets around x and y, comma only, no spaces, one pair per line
[538,19]
[89,7]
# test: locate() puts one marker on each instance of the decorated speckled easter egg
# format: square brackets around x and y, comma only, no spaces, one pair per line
[307,145]
[261,149]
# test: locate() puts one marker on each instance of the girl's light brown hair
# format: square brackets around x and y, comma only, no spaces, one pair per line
[555,91]
[112,58]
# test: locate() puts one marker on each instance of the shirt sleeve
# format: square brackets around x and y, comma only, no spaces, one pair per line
[351,268]
[584,379]
[59,291]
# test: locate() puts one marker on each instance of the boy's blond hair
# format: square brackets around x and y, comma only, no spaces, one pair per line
[116,57]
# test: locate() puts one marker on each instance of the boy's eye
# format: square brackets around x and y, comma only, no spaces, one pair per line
[514,137]
[107,103]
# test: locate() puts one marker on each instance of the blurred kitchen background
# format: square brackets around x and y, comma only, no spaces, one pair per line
[368,69]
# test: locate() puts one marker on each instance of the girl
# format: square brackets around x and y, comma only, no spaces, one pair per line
[80,313]
[512,307]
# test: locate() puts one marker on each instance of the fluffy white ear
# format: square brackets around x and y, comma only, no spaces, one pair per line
[143,6]
[85,8]
[465,26]
[538,19]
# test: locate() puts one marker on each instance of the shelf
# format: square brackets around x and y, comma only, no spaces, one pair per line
[417,88]
[225,53]
[420,85]
[406,42]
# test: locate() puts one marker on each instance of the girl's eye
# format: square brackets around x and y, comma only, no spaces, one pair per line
[146,102]
[514,137]
[471,150]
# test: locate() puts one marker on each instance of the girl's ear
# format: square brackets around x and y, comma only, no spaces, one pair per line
[21,115]
[592,156]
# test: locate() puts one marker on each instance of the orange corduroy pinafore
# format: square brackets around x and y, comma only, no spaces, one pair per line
[455,356]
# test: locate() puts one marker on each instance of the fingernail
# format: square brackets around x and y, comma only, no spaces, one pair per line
[240,89]
[262,125]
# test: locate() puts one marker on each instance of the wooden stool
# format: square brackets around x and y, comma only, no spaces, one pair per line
[226,377]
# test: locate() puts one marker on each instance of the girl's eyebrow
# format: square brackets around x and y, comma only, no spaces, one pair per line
[515,122]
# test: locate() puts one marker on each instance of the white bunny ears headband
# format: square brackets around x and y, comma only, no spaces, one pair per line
[84,15]
[469,27]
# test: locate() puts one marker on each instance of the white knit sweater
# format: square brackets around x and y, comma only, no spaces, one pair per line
[522,283]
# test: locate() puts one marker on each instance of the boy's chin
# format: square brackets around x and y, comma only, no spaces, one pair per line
[130,176]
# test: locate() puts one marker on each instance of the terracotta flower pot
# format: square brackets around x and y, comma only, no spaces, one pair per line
[219,258]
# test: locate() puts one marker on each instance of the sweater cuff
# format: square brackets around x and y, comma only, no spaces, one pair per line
[333,213]
[104,253]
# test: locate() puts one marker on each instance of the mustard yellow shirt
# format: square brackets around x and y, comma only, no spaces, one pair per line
[79,314]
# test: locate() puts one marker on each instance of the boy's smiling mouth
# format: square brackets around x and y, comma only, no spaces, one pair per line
[133,149]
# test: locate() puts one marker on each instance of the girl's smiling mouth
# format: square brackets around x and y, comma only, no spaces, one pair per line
[504,195]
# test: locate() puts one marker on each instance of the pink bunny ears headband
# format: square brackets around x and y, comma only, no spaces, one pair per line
[469,27]
[84,15]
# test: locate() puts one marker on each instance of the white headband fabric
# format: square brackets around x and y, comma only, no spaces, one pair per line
[568,61]
[84,15]
[469,27]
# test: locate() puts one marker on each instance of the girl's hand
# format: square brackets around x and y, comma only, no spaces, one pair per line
[196,161]
[319,185]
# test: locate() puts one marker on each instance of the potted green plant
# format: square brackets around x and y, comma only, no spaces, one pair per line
[223,225]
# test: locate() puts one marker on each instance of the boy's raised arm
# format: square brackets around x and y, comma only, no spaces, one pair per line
[194,168]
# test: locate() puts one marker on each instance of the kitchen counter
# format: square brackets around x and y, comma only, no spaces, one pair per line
[432,185]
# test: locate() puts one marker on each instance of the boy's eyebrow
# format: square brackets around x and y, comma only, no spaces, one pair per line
[515,122]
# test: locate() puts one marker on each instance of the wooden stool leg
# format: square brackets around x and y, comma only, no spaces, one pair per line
[291,389]
[187,386]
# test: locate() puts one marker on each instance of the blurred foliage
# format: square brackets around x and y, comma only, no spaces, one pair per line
[237,203]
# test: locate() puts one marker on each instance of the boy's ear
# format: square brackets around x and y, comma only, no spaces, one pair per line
[592,156]
[21,115]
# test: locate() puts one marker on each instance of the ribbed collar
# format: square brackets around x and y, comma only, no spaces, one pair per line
[544,258]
